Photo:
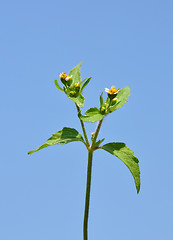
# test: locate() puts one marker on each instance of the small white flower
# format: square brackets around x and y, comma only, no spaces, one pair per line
[64,76]
[112,90]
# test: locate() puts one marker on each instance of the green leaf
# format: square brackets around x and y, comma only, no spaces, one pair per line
[97,144]
[79,100]
[92,115]
[64,136]
[122,97]
[75,72]
[108,100]
[57,85]
[127,156]
[85,83]
[101,100]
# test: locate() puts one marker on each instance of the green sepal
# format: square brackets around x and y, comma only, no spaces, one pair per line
[91,115]
[57,85]
[127,156]
[63,136]
[75,72]
[85,83]
[122,97]
[79,100]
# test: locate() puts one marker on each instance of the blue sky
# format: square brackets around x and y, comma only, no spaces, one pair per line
[121,43]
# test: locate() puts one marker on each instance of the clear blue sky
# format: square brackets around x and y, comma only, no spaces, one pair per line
[121,43]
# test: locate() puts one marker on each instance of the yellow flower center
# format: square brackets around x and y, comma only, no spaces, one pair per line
[63,76]
[113,91]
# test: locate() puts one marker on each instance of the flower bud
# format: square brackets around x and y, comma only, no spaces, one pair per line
[92,135]
[102,110]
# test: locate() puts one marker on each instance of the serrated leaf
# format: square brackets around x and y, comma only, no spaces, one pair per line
[79,100]
[75,72]
[63,136]
[127,156]
[91,115]
[122,97]
[57,85]
[85,83]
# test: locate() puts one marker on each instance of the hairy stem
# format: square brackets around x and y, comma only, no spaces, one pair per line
[87,198]
[83,128]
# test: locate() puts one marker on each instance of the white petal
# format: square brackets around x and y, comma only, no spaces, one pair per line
[106,90]
[67,78]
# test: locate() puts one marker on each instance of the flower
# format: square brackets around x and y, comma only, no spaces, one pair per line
[111,91]
[64,76]
[65,79]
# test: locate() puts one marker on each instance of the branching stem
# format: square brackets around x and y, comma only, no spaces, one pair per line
[96,133]
[89,171]
[83,128]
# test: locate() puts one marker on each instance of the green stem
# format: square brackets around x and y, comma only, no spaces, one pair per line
[83,128]
[88,187]
[87,198]
[96,133]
